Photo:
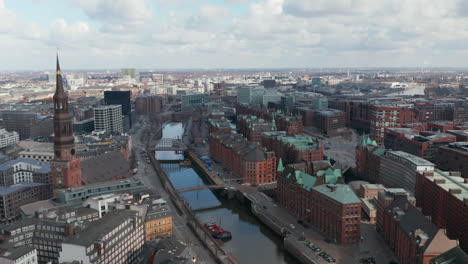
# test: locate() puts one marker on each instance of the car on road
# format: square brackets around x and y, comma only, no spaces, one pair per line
[292,226]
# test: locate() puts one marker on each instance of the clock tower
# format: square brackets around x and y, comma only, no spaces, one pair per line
[66,169]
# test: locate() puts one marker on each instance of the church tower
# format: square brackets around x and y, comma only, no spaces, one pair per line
[66,169]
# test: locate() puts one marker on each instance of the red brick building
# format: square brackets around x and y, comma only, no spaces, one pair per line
[323,201]
[368,159]
[460,114]
[453,157]
[408,233]
[329,122]
[422,144]
[444,197]
[252,127]
[146,104]
[247,161]
[382,117]
[291,124]
[461,135]
[292,149]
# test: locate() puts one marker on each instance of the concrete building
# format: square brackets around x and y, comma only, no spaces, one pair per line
[250,94]
[14,196]
[84,126]
[444,197]
[422,144]
[21,255]
[24,171]
[116,238]
[271,96]
[8,138]
[398,169]
[109,119]
[246,160]
[455,256]
[27,124]
[43,152]
[292,149]
[408,233]
[192,101]
[453,157]
[323,201]
[368,193]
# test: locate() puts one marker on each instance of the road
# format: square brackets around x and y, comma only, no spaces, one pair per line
[148,176]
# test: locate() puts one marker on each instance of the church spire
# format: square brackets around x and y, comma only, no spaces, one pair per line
[59,82]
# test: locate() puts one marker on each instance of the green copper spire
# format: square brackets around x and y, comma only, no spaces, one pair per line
[280,166]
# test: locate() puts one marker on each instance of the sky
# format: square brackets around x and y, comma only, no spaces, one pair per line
[202,34]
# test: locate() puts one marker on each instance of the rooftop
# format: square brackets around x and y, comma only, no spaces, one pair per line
[411,158]
[457,185]
[338,192]
[17,187]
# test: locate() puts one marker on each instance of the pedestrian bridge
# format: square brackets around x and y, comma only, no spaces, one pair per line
[168,144]
[202,187]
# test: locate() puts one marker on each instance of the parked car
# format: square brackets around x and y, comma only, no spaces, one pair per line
[292,226]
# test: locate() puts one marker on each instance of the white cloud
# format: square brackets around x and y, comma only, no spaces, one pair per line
[117,11]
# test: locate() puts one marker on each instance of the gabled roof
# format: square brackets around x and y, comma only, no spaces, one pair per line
[338,192]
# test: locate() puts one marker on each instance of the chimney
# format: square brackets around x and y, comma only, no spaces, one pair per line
[332,187]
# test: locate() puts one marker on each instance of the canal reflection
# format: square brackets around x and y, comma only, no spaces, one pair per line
[252,242]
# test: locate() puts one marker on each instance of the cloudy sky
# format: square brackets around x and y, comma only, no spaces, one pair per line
[159,34]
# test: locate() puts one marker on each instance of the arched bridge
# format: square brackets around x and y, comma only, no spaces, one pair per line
[202,187]
[170,144]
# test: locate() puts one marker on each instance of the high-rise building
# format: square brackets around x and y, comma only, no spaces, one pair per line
[66,169]
[131,72]
[148,104]
[250,94]
[28,124]
[120,98]
[192,101]
[108,119]
[8,138]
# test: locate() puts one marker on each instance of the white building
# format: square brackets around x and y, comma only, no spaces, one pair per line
[116,238]
[20,255]
[8,138]
[22,170]
[108,118]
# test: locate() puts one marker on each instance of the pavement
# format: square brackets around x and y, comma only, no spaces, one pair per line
[148,176]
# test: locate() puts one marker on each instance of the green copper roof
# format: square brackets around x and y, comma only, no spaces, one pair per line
[330,175]
[305,180]
[300,142]
[280,165]
[367,141]
[343,194]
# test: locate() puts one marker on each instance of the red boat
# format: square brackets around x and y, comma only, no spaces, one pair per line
[217,232]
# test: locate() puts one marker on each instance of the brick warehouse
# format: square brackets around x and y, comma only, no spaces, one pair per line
[408,233]
[252,127]
[292,149]
[444,197]
[454,157]
[218,124]
[368,155]
[324,201]
[247,161]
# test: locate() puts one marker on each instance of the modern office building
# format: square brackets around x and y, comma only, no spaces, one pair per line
[250,94]
[192,101]
[108,119]
[84,126]
[8,138]
[383,116]
[398,169]
[115,238]
[24,171]
[329,122]
[131,72]
[20,255]
[121,98]
[27,124]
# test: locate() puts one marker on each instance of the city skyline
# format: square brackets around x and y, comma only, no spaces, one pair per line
[191,34]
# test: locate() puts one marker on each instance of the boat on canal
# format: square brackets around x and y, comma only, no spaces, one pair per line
[217,232]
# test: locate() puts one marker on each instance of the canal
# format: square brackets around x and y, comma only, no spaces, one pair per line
[252,241]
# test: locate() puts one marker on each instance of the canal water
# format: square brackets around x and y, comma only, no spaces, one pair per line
[252,242]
